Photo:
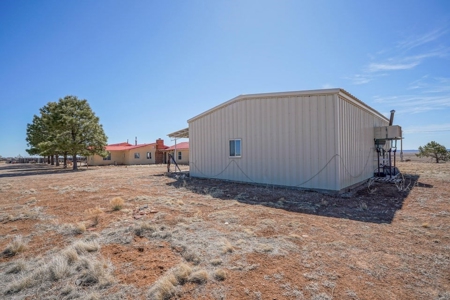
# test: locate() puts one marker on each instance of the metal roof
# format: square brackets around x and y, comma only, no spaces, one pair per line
[180,146]
[183,133]
[125,146]
[343,93]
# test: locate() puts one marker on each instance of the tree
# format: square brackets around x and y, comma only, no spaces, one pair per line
[434,150]
[68,126]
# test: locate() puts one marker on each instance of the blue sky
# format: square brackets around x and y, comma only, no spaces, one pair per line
[146,67]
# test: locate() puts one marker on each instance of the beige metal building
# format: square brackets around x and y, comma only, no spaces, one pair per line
[317,139]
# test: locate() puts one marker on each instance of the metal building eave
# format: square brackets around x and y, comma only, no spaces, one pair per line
[183,133]
[338,91]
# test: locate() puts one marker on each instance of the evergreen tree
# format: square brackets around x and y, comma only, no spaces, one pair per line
[68,126]
[434,150]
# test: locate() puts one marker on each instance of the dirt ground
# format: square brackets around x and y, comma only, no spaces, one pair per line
[185,238]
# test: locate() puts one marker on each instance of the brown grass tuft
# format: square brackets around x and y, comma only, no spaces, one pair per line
[162,289]
[182,272]
[16,246]
[94,214]
[80,228]
[58,268]
[70,254]
[227,248]
[199,277]
[82,247]
[220,274]
[215,262]
[117,203]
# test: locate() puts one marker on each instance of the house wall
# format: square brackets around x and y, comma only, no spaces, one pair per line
[184,156]
[286,140]
[358,157]
[126,157]
[116,156]
[130,160]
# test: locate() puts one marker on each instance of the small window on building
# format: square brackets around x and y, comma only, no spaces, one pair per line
[137,155]
[179,155]
[149,155]
[107,157]
[235,148]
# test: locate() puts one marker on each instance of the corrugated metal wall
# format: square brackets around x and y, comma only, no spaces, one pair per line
[289,140]
[358,158]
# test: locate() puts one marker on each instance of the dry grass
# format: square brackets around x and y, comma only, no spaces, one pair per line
[215,262]
[165,287]
[200,277]
[16,246]
[82,247]
[17,267]
[95,272]
[94,214]
[220,274]
[116,203]
[71,255]
[227,247]
[321,257]
[59,268]
[181,273]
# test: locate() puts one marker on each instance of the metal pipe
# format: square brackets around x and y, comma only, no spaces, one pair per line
[390,164]
[391,120]
[401,145]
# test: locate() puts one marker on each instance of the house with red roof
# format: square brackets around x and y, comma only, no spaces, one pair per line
[180,152]
[128,154]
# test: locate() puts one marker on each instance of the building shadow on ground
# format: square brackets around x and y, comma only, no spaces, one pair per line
[17,170]
[373,201]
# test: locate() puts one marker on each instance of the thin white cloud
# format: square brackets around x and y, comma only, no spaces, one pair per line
[376,67]
[327,86]
[433,85]
[419,40]
[364,78]
[415,104]
[405,56]
[360,79]
[427,128]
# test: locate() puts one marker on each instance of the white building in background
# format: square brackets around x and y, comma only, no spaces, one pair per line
[318,139]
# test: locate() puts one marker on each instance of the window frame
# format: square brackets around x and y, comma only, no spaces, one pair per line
[149,155]
[234,153]
[137,155]
[179,155]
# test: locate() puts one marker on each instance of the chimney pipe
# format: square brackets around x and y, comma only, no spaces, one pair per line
[391,120]
[135,141]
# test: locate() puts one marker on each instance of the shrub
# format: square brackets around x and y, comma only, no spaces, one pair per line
[117,203]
